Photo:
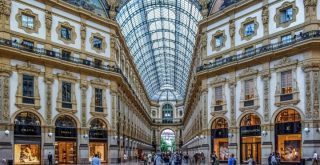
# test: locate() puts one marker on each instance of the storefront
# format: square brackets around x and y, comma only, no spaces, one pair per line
[288,136]
[250,138]
[27,139]
[98,140]
[66,141]
[219,139]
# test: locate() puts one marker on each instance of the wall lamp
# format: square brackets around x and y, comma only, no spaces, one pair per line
[85,136]
[306,130]
[230,135]
[6,132]
[318,130]
[50,134]
[264,133]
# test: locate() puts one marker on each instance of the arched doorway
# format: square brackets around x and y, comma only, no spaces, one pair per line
[167,114]
[219,139]
[27,139]
[288,136]
[98,140]
[167,141]
[66,140]
[250,138]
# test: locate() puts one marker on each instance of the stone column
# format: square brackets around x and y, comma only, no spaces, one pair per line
[6,148]
[233,129]
[310,140]
[47,133]
[114,138]
[266,145]
[5,11]
[84,135]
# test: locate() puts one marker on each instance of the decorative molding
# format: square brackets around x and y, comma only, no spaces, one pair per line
[204,8]
[277,17]
[84,87]
[103,42]
[248,72]
[311,70]
[213,40]
[242,28]
[5,7]
[113,5]
[72,29]
[49,81]
[36,21]
[5,74]
[310,9]
[67,77]
[29,69]
[266,111]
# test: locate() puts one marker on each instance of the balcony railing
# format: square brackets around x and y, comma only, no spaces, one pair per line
[260,50]
[59,56]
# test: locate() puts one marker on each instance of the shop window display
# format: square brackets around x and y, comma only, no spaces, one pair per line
[66,152]
[27,153]
[288,136]
[219,138]
[98,148]
[250,138]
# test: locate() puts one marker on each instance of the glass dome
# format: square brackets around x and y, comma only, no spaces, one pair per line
[161,35]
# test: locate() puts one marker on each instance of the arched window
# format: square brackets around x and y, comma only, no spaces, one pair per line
[219,123]
[66,127]
[98,129]
[167,113]
[66,122]
[27,123]
[287,116]
[250,120]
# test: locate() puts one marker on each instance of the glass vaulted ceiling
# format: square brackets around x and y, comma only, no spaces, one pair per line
[161,35]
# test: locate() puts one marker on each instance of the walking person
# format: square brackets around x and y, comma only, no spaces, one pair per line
[315,158]
[250,160]
[232,160]
[149,159]
[213,158]
[50,158]
[274,159]
[158,160]
[269,159]
[96,160]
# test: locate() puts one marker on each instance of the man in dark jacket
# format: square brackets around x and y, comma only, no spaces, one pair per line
[50,158]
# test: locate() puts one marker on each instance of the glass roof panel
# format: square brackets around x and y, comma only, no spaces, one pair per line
[161,36]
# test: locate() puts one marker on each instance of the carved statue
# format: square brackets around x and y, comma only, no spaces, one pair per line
[5,7]
[310,8]
[83,32]
[232,28]
[48,20]
[113,5]
[265,15]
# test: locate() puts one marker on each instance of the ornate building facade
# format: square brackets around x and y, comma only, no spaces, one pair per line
[254,82]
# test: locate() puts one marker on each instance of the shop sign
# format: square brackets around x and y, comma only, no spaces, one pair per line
[250,131]
[27,130]
[66,132]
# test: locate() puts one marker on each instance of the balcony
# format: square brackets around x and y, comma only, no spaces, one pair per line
[167,121]
[41,52]
[234,59]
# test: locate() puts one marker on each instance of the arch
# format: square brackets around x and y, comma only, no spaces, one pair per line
[275,114]
[296,116]
[165,128]
[101,118]
[216,117]
[246,113]
[75,119]
[97,123]
[250,119]
[221,121]
[15,114]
